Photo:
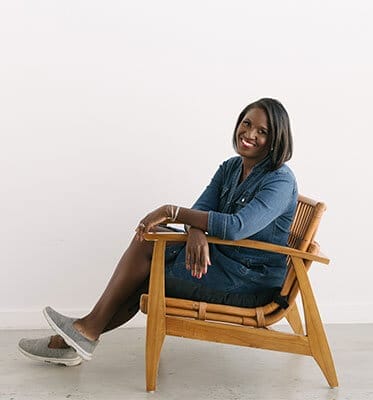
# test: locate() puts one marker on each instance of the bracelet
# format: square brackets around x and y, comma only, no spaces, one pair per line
[176,214]
[171,218]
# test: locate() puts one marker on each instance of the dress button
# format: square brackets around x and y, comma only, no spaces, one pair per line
[243,200]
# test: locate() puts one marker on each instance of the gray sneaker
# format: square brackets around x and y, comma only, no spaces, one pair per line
[64,327]
[38,350]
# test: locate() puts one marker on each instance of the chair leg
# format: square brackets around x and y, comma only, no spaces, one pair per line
[314,327]
[321,353]
[294,320]
[154,342]
[156,322]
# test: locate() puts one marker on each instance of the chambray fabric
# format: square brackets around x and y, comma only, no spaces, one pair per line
[259,208]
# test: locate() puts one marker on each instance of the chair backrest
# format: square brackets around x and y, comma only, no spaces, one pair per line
[302,232]
[306,221]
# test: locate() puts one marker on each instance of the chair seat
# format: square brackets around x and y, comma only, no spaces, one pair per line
[212,312]
[261,316]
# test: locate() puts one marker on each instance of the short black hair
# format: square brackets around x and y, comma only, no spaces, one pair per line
[279,128]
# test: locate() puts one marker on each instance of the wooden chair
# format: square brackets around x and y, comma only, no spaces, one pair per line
[237,325]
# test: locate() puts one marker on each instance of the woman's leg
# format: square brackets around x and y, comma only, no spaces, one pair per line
[125,312]
[120,300]
[131,271]
[128,309]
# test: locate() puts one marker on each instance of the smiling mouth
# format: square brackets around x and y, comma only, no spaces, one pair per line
[247,144]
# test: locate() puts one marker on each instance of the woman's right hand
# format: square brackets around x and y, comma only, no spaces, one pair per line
[197,253]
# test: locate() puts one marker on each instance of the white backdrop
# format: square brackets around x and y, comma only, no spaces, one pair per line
[109,109]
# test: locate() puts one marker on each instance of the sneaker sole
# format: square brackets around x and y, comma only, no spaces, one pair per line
[60,361]
[86,356]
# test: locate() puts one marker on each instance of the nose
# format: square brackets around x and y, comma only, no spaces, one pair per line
[251,133]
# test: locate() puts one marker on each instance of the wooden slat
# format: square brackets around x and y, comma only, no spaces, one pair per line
[307,200]
[211,307]
[253,244]
[242,336]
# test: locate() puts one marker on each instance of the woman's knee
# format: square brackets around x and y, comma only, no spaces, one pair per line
[146,246]
[143,247]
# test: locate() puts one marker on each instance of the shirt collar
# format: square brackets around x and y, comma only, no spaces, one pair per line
[262,165]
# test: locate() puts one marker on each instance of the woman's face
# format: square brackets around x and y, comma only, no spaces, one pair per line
[252,136]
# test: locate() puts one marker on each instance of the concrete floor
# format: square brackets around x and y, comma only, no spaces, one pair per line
[190,370]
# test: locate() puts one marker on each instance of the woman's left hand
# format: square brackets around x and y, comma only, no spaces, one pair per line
[156,217]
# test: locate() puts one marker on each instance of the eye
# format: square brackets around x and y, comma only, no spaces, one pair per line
[246,123]
[263,132]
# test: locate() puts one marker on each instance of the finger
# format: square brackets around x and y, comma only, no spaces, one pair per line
[204,270]
[187,257]
[192,263]
[137,233]
[187,262]
[200,263]
[199,271]
[197,266]
[138,229]
[196,269]
[207,263]
[193,269]
[140,234]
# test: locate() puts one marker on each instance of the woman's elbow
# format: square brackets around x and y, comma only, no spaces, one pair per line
[236,229]
[234,234]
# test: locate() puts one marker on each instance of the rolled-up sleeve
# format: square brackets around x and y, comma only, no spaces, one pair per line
[270,202]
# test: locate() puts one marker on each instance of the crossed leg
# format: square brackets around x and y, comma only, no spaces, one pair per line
[120,300]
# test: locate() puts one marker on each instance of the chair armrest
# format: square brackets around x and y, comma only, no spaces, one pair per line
[253,244]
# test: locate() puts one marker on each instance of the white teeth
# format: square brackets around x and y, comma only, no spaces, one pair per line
[247,143]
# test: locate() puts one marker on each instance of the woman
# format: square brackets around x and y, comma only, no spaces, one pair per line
[252,195]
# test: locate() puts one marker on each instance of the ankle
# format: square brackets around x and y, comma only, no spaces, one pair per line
[81,327]
[57,342]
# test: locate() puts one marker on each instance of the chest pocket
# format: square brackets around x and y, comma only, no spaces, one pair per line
[245,198]
[240,203]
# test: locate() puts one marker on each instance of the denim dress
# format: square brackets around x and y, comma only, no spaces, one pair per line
[259,208]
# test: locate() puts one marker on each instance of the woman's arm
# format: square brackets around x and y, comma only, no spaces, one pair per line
[196,218]
[271,201]
[197,251]
[209,198]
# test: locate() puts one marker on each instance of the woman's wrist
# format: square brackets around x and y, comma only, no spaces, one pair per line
[195,230]
[182,215]
[172,212]
[168,211]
